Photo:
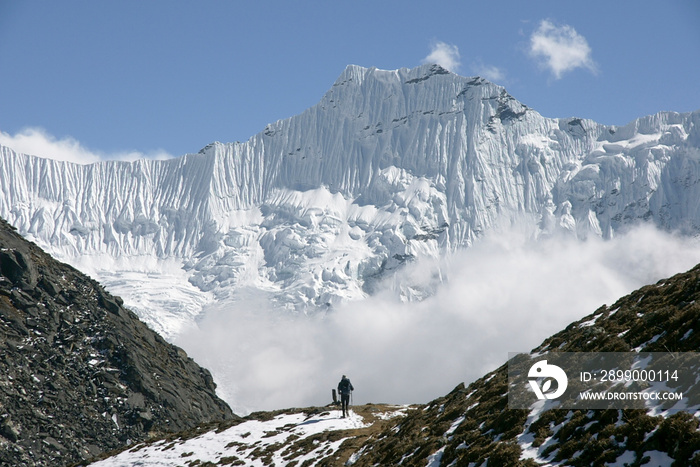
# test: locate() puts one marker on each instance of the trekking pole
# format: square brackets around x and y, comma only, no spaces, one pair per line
[351,400]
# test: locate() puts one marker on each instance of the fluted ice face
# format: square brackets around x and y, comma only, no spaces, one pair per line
[389,166]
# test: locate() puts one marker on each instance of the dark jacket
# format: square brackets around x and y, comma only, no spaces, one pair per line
[345,386]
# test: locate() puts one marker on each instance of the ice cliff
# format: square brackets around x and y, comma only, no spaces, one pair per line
[388,167]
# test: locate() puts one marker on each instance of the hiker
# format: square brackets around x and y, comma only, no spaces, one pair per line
[344,389]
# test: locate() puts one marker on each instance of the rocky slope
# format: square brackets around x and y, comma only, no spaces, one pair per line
[79,373]
[472,425]
[388,167]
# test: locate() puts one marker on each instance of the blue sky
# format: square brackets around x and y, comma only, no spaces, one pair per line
[123,79]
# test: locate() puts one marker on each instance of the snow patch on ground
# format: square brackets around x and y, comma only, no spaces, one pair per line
[245,441]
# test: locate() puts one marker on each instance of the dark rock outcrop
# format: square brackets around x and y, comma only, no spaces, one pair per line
[79,373]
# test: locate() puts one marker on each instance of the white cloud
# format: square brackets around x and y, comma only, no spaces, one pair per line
[38,142]
[490,72]
[445,55]
[504,294]
[560,49]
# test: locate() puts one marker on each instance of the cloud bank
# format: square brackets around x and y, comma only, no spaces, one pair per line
[445,55]
[560,49]
[504,294]
[38,142]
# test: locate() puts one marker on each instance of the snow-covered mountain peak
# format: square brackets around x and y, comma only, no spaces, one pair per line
[359,90]
[389,167]
[356,74]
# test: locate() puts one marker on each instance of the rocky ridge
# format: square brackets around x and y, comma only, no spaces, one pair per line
[473,425]
[293,437]
[79,373]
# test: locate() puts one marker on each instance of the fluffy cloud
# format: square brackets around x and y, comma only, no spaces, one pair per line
[38,142]
[445,55]
[504,294]
[490,72]
[560,49]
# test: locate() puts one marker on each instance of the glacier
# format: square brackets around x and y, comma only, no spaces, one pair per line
[391,166]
